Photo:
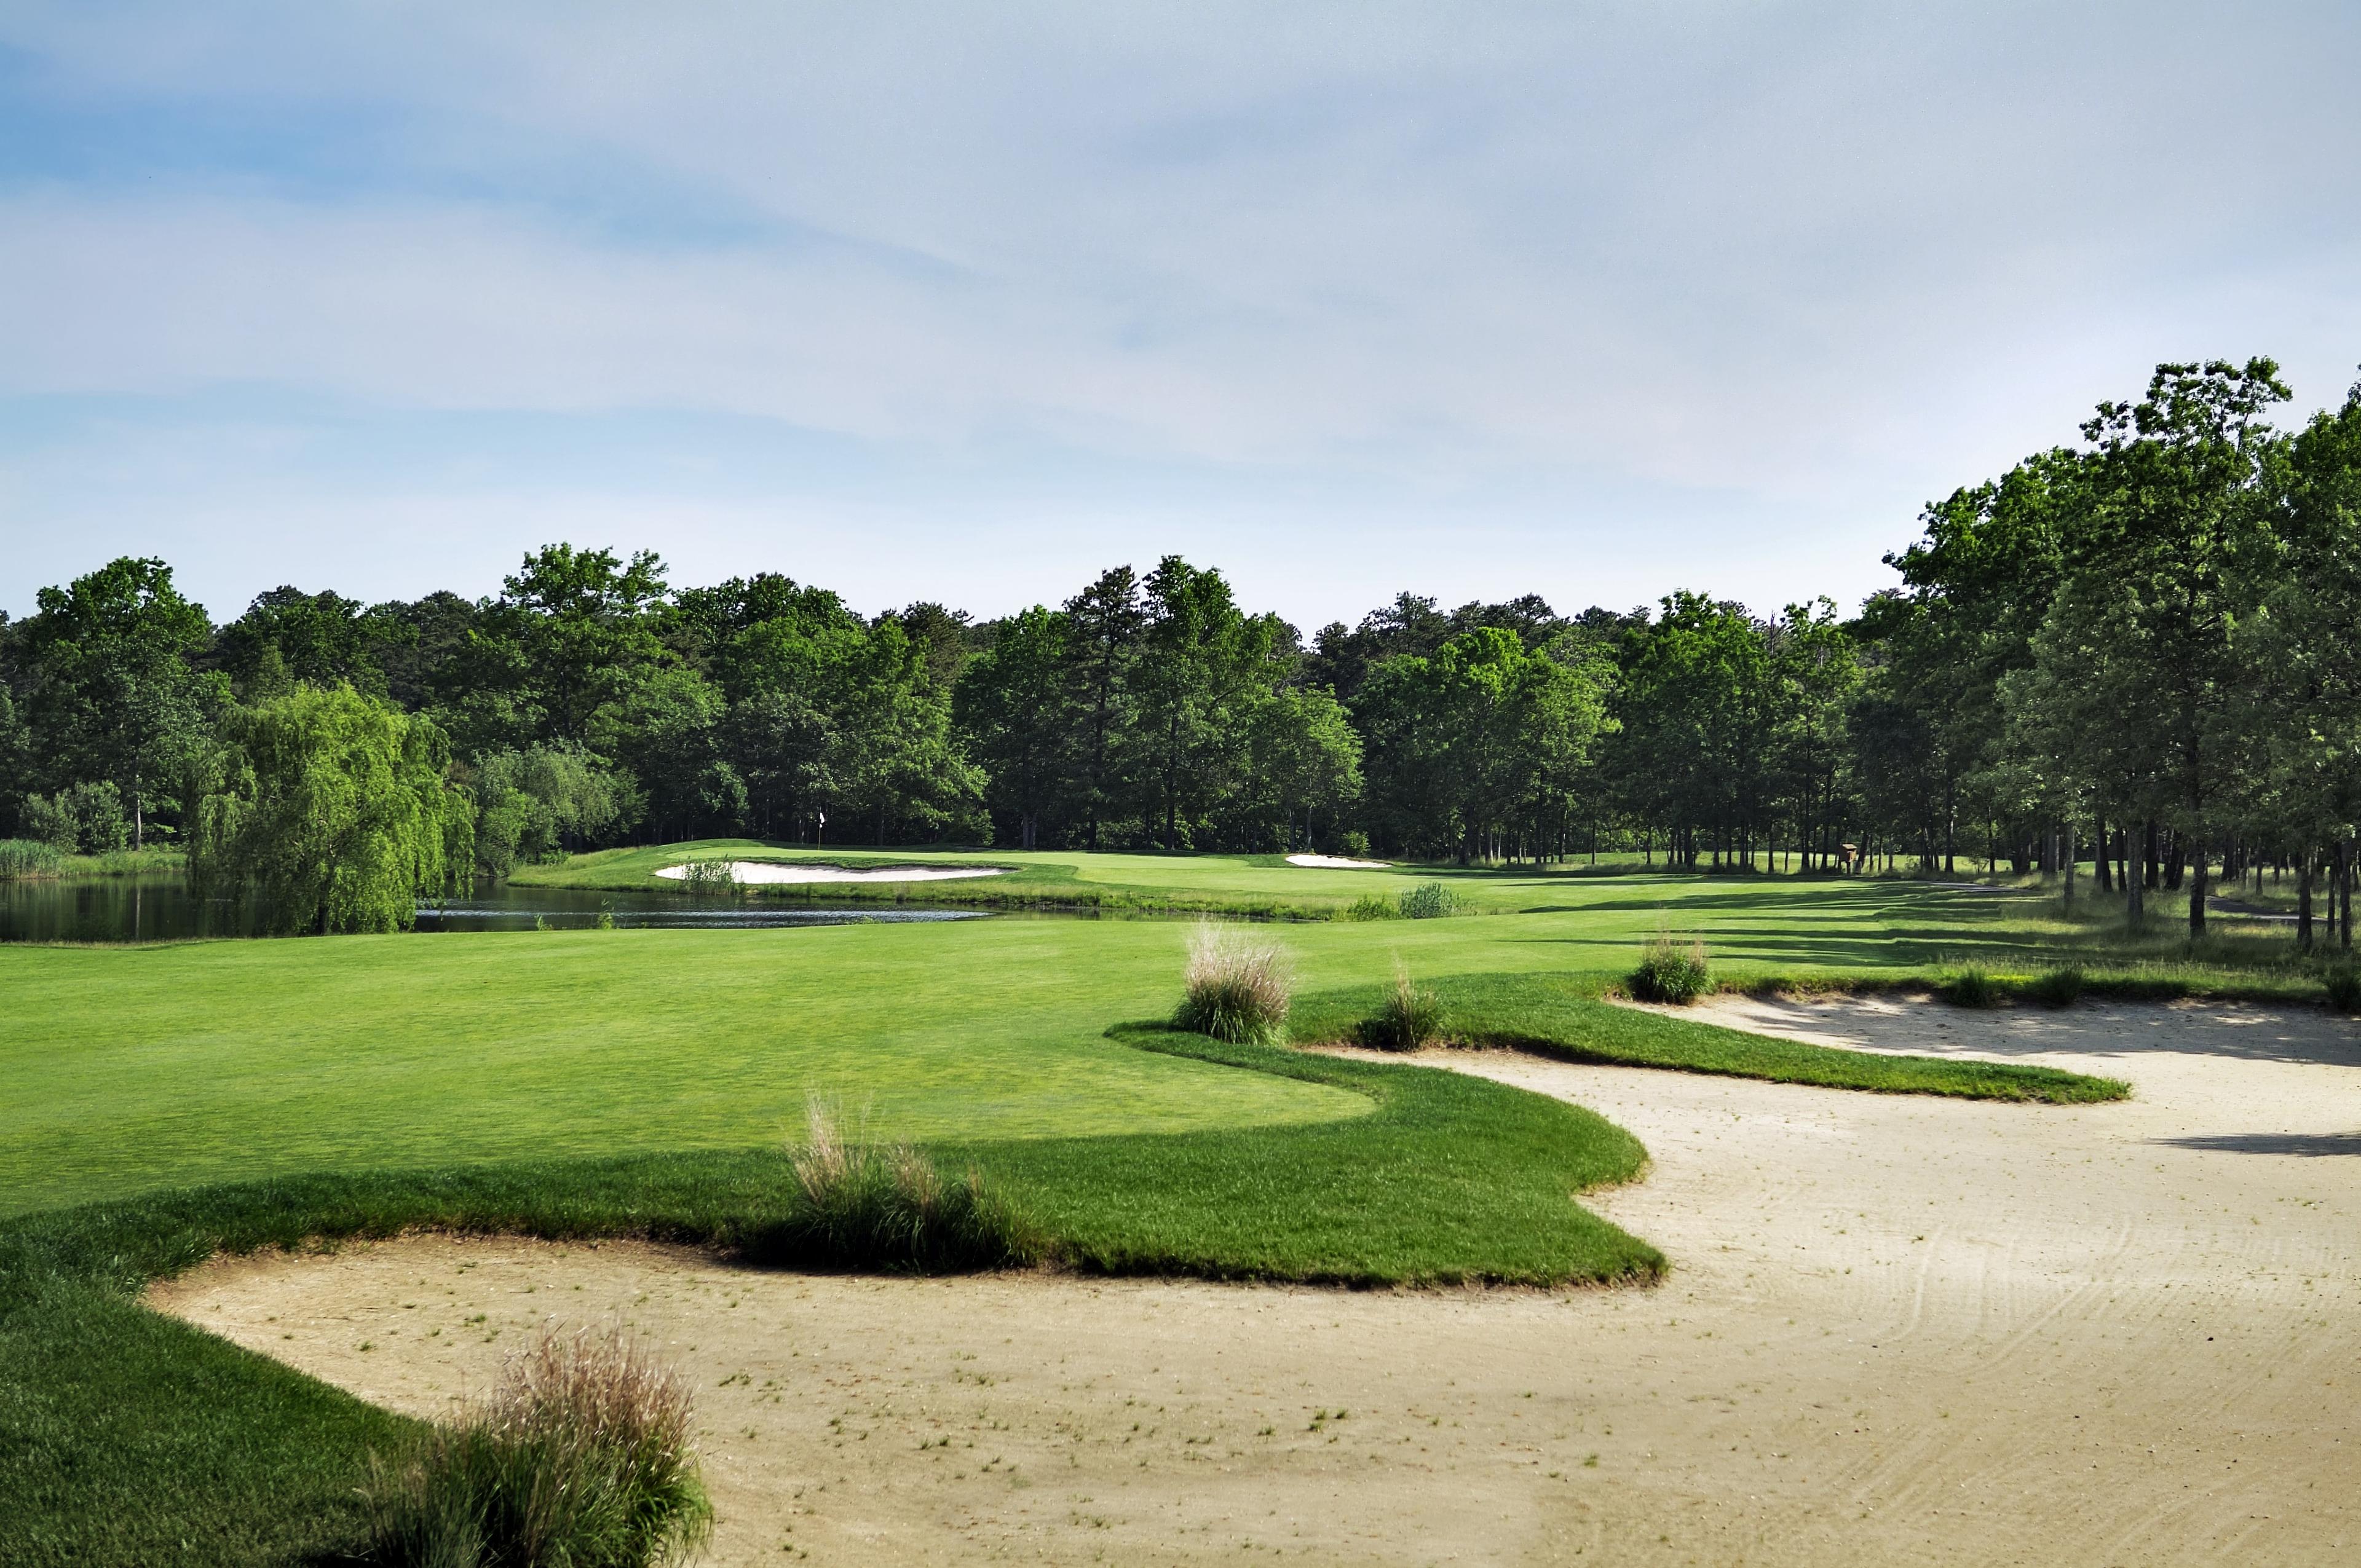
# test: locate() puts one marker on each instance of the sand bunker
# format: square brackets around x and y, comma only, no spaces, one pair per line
[1900,1330]
[1339,863]
[785,871]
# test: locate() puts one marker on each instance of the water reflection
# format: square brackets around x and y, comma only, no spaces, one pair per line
[161,908]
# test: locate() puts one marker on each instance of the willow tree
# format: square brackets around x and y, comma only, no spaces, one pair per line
[334,810]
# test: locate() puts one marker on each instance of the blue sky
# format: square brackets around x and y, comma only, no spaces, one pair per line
[966,304]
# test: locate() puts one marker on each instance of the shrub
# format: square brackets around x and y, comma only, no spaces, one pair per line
[1408,1018]
[28,857]
[1355,843]
[1371,907]
[2343,987]
[1668,972]
[2058,987]
[886,1206]
[581,1458]
[1972,986]
[86,820]
[719,877]
[1429,901]
[1238,988]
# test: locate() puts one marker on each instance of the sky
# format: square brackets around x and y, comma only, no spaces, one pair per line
[967,303]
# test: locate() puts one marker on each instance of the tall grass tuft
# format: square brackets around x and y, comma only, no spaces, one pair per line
[1669,973]
[2343,984]
[710,878]
[1238,988]
[28,858]
[866,1205]
[1410,1018]
[2060,987]
[581,1459]
[1371,907]
[1971,985]
[1429,901]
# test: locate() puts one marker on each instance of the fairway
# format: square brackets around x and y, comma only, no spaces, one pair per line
[131,1069]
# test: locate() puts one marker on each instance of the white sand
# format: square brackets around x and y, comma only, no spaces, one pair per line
[786,872]
[1900,1331]
[1338,863]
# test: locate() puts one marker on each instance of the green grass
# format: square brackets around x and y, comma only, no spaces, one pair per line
[241,1094]
[1551,1015]
[128,1438]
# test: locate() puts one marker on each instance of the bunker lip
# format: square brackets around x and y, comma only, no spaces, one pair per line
[1338,863]
[783,872]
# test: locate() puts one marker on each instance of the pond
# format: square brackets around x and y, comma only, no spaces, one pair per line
[161,908]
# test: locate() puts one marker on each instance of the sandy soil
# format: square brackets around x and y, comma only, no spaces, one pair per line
[1339,863]
[1899,1330]
[781,872]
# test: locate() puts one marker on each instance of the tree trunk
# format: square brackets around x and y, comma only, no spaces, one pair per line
[2303,902]
[2136,882]
[2099,856]
[2198,872]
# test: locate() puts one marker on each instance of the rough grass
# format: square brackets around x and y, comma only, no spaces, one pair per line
[128,1438]
[582,1458]
[886,1206]
[1236,987]
[21,857]
[1551,1015]
[1409,1017]
[1669,973]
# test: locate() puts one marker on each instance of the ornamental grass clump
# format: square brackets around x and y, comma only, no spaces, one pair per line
[30,858]
[867,1205]
[2060,987]
[1410,1018]
[581,1459]
[1971,985]
[1429,901]
[1672,973]
[2343,984]
[1238,987]
[711,878]
[1371,907]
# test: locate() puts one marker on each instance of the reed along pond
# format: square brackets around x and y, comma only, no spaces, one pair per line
[163,909]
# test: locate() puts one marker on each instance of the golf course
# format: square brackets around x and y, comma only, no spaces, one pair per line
[174,1104]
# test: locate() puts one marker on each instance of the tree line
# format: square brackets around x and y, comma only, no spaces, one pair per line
[2137,650]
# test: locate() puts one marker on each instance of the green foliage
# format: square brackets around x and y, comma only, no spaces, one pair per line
[1970,985]
[582,1458]
[1408,1019]
[334,811]
[1237,988]
[1668,972]
[113,693]
[1372,906]
[50,820]
[2058,987]
[86,820]
[2341,985]
[535,803]
[28,858]
[1428,901]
